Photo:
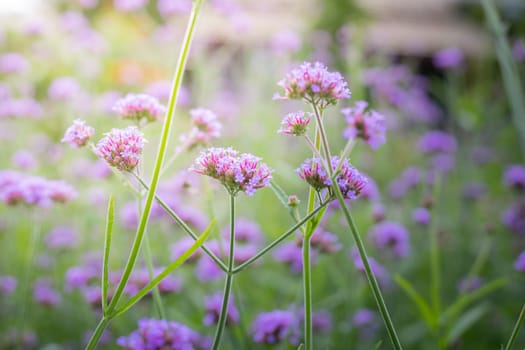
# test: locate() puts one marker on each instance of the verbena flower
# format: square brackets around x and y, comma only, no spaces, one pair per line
[121,148]
[155,334]
[295,123]
[349,180]
[275,327]
[437,142]
[514,217]
[448,58]
[44,294]
[7,284]
[366,125]
[519,264]
[391,236]
[62,237]
[13,62]
[291,254]
[78,134]
[213,306]
[366,322]
[421,216]
[236,172]
[514,177]
[63,89]
[206,127]
[314,83]
[139,108]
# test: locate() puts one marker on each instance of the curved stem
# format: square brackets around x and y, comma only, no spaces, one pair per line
[229,279]
[97,333]
[516,329]
[307,286]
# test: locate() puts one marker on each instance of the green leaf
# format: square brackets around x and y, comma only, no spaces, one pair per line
[423,307]
[377,345]
[465,322]
[301,347]
[281,195]
[175,264]
[110,218]
[467,299]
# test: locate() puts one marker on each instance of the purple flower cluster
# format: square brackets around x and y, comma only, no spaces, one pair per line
[379,271]
[408,180]
[421,216]
[205,128]
[369,126]
[213,306]
[44,294]
[437,142]
[291,254]
[19,188]
[315,84]
[295,123]
[514,217]
[448,58]
[63,89]
[391,236]
[519,264]
[7,285]
[276,326]
[514,177]
[62,237]
[139,108]
[237,172]
[13,62]
[78,134]
[349,180]
[155,334]
[20,108]
[121,148]
[366,322]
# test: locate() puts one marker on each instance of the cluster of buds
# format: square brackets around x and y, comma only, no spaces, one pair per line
[121,148]
[140,108]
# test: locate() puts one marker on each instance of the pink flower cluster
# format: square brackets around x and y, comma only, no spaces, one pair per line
[121,148]
[295,123]
[78,134]
[139,107]
[237,172]
[315,84]
[368,126]
[205,127]
[349,180]
[19,188]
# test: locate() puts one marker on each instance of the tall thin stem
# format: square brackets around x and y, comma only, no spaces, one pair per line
[516,329]
[307,287]
[229,279]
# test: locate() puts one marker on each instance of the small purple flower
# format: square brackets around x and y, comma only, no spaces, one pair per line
[207,270]
[13,63]
[518,50]
[437,142]
[519,264]
[78,277]
[170,7]
[290,253]
[369,126]
[24,159]
[155,334]
[514,177]
[205,128]
[421,216]
[62,237]
[325,242]
[139,108]
[473,190]
[514,217]
[379,271]
[213,309]
[275,327]
[470,284]
[391,235]
[295,123]
[7,285]
[448,58]
[121,148]
[78,134]
[315,84]
[63,89]
[443,162]
[44,294]
[236,172]
[349,180]
[246,231]
[286,41]
[129,5]
[366,322]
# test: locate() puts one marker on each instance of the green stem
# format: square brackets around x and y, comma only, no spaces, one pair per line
[376,291]
[107,247]
[156,294]
[160,155]
[97,333]
[307,287]
[280,238]
[229,279]
[185,227]
[516,329]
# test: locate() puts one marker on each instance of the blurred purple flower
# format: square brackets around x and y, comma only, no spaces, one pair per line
[437,142]
[207,270]
[62,237]
[44,294]
[314,83]
[421,216]
[473,190]
[25,160]
[275,327]
[73,21]
[325,242]
[514,177]
[129,5]
[451,57]
[291,253]
[366,125]
[7,285]
[140,108]
[181,246]
[78,134]
[443,162]
[518,50]
[169,7]
[514,217]
[21,108]
[379,271]
[286,41]
[63,89]
[470,284]
[213,305]
[13,62]
[78,277]
[246,231]
[366,322]
[206,127]
[88,4]
[392,236]
[519,264]
[370,191]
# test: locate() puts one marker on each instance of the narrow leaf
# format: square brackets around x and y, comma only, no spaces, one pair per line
[377,345]
[107,247]
[422,305]
[179,261]
[281,195]
[465,322]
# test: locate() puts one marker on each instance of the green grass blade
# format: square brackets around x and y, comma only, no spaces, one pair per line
[423,307]
[465,322]
[377,345]
[516,329]
[110,218]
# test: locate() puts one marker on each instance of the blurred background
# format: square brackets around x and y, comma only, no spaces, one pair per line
[427,66]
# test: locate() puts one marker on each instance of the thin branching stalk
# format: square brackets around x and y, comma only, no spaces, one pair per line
[229,279]
[107,247]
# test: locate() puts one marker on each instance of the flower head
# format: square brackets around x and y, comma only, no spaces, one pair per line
[295,123]
[237,172]
[205,128]
[313,82]
[139,107]
[448,58]
[514,177]
[121,148]
[349,180]
[78,134]
[368,126]
[437,142]
[391,235]
[514,217]
[276,326]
